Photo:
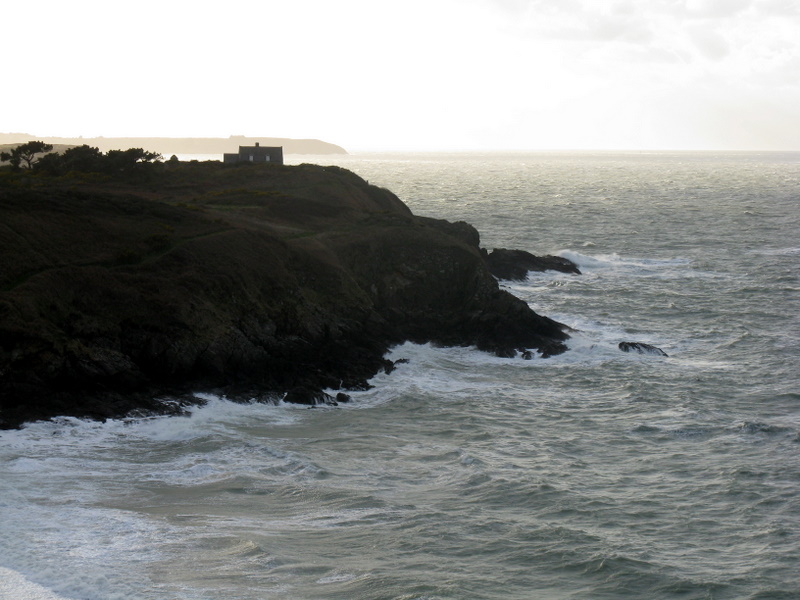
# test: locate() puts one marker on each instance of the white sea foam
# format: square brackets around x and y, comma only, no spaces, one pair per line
[14,586]
[638,267]
[431,369]
[453,372]
[337,578]
[216,415]
[78,551]
[223,462]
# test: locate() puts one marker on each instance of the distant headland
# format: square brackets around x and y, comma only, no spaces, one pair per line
[168,146]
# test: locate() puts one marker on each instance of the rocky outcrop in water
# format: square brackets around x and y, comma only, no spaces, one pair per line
[641,348]
[253,281]
[516,264]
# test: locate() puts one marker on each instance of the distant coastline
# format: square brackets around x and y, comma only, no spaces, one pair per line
[168,146]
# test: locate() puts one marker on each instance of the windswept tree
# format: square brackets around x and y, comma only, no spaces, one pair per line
[26,153]
[124,160]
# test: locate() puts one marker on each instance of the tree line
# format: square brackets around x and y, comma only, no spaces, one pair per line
[84,159]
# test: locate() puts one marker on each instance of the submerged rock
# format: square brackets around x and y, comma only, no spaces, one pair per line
[516,264]
[641,348]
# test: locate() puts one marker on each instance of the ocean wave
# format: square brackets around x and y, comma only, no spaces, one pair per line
[788,251]
[244,465]
[637,267]
[754,428]
[212,416]
[615,261]
[757,427]
[336,577]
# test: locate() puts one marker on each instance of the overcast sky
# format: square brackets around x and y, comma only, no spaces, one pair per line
[411,75]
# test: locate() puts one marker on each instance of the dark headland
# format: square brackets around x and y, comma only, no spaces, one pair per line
[128,293]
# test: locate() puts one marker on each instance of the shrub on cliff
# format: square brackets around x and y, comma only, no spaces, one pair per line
[82,158]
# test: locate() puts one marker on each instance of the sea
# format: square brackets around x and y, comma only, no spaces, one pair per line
[595,474]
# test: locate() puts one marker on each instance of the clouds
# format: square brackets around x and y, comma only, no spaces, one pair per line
[715,9]
[710,44]
[420,74]
[674,39]
[688,28]
[671,73]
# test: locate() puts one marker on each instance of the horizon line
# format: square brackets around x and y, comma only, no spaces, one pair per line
[441,149]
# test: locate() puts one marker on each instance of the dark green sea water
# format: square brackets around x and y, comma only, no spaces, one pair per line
[595,474]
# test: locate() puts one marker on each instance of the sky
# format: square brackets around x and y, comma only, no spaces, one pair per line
[411,75]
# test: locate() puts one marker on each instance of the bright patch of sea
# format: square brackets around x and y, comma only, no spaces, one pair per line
[594,474]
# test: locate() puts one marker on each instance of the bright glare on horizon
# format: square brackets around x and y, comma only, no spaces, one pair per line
[411,75]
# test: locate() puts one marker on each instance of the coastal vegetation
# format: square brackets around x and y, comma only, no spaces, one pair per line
[86,159]
[37,156]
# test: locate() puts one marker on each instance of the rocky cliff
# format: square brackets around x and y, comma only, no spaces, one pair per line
[250,280]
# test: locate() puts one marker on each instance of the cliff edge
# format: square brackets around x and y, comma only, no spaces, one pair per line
[254,281]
